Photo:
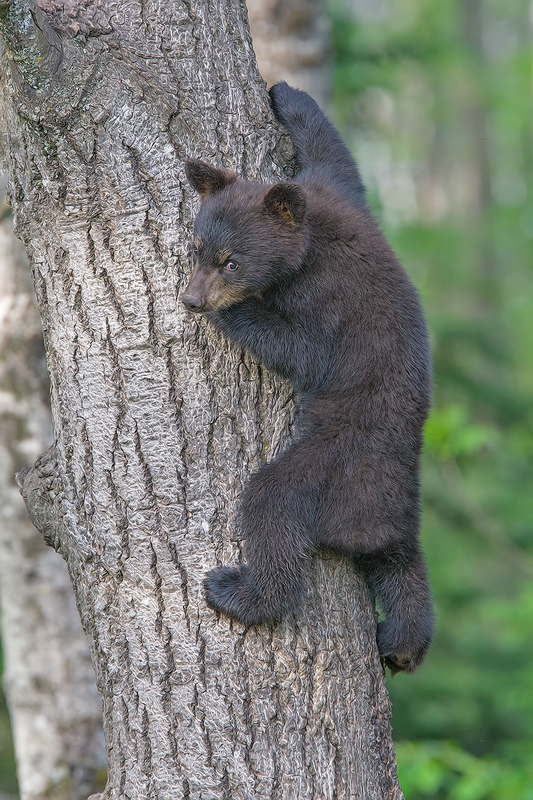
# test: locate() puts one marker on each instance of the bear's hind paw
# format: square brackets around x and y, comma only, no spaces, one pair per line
[229,591]
[404,657]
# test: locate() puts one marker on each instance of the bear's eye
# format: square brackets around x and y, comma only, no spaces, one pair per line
[194,250]
[231,265]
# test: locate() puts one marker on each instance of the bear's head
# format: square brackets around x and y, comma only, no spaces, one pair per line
[248,237]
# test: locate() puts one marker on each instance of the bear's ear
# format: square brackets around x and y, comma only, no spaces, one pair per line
[286,202]
[206,179]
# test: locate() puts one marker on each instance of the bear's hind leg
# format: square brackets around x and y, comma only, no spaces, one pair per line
[398,578]
[275,519]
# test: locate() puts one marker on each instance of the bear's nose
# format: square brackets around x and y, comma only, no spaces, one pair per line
[191,302]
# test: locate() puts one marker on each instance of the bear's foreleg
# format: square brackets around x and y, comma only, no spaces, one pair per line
[320,151]
[286,346]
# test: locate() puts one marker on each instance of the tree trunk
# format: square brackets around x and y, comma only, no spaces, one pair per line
[49,680]
[53,703]
[476,116]
[157,422]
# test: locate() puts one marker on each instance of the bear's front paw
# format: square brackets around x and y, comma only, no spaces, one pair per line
[229,590]
[285,101]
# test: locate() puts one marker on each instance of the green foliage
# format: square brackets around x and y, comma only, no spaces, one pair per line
[444,770]
[448,434]
[435,99]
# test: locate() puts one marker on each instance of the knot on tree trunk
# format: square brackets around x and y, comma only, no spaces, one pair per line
[39,489]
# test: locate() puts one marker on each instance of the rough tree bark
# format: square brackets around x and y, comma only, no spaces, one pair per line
[157,422]
[49,681]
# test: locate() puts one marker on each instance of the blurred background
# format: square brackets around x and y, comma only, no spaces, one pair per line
[436,102]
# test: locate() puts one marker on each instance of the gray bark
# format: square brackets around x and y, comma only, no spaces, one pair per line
[49,681]
[157,422]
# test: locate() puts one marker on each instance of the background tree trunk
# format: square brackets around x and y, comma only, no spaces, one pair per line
[476,112]
[292,42]
[157,422]
[49,680]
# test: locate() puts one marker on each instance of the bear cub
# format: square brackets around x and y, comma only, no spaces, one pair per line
[299,274]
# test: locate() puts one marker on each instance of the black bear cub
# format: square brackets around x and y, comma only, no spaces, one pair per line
[299,274]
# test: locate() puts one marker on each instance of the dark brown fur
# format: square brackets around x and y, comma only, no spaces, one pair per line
[300,275]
